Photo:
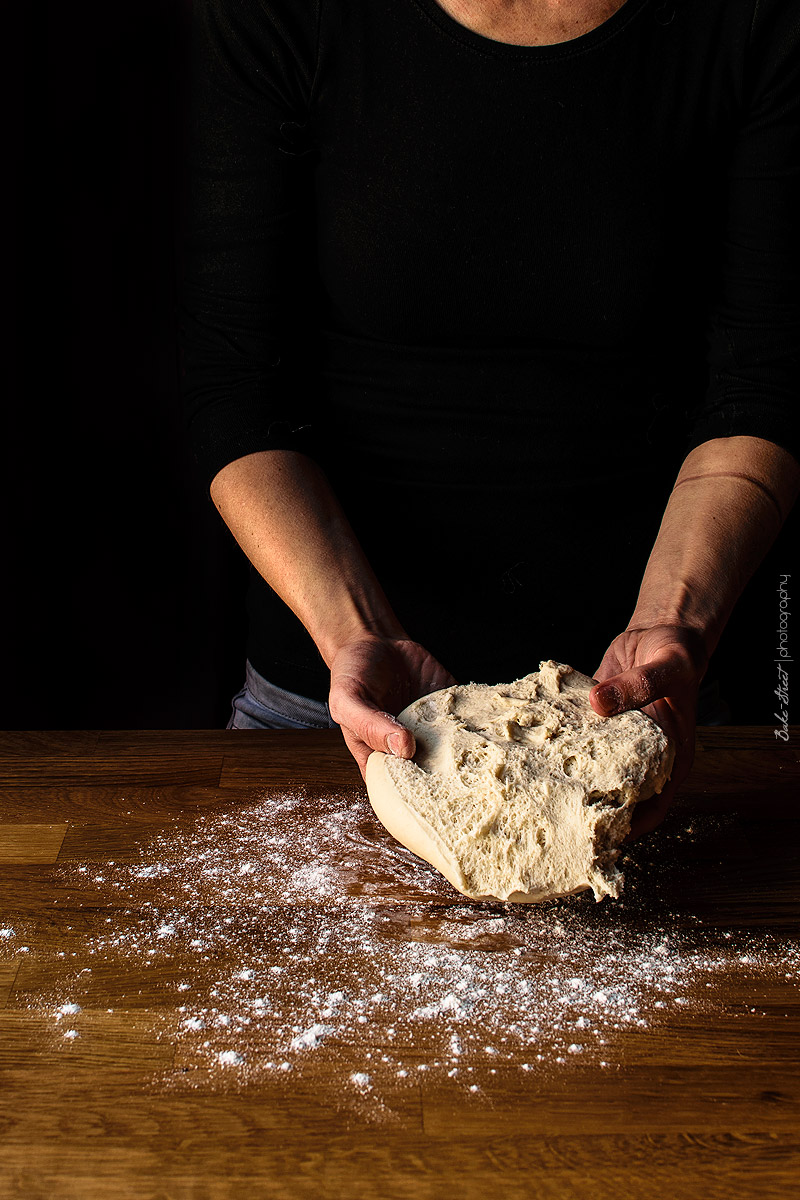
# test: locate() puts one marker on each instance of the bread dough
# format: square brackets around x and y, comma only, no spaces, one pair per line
[521,791]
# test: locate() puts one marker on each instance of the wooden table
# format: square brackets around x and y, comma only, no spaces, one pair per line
[180,911]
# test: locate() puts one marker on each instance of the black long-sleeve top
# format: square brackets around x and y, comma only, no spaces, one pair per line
[495,291]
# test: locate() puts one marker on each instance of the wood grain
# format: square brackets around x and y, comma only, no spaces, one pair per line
[8,974]
[47,770]
[702,1104]
[21,843]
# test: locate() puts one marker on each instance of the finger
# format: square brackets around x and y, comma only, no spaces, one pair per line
[359,750]
[376,729]
[640,686]
[609,667]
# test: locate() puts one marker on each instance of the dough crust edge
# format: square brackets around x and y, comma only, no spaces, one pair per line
[414,832]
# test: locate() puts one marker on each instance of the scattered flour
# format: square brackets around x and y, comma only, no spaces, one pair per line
[229,1058]
[289,946]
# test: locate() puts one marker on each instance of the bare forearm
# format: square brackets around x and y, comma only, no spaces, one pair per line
[728,504]
[284,515]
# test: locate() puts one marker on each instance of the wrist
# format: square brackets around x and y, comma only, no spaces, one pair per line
[701,625]
[355,621]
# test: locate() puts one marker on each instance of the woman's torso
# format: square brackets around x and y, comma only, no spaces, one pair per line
[514,248]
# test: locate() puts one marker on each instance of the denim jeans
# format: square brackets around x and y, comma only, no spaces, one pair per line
[262,705]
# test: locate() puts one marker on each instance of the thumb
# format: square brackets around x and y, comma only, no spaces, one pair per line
[640,686]
[376,729]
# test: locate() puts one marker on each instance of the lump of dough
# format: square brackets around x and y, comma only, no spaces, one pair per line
[521,791]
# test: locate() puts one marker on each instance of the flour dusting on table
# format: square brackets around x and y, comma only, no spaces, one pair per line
[281,945]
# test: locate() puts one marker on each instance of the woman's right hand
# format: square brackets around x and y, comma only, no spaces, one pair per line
[373,678]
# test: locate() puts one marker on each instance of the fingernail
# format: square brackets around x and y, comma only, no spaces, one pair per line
[393,744]
[609,697]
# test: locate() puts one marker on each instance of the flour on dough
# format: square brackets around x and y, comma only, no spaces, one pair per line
[520,791]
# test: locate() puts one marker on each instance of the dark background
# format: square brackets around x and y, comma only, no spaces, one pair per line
[128,598]
[124,590]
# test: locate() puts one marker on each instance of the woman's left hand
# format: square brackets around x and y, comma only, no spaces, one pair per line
[659,670]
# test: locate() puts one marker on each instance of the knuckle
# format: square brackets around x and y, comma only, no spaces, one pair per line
[373,735]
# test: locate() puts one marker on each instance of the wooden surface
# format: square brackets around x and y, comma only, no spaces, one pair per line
[143,874]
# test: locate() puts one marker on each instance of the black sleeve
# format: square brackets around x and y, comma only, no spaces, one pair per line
[754,339]
[247,234]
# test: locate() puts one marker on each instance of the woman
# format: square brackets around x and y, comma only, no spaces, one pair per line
[489,321]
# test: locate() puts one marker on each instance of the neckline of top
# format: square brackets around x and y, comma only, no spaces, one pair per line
[585,41]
